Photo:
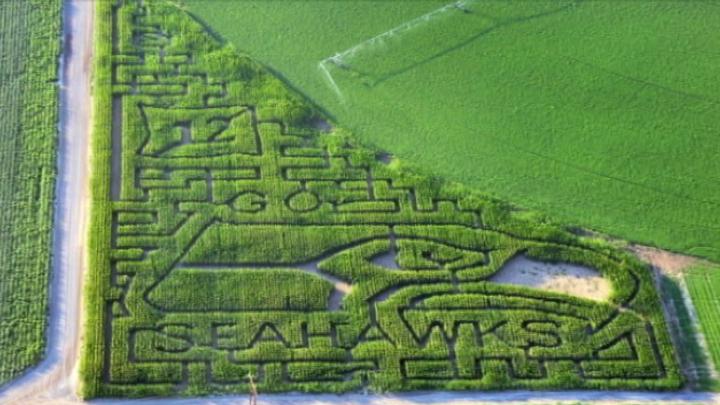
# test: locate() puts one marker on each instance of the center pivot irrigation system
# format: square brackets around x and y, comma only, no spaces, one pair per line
[344,59]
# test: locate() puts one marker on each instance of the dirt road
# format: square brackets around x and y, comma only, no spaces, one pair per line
[55,377]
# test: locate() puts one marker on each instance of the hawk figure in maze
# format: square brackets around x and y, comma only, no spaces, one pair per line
[244,241]
[403,297]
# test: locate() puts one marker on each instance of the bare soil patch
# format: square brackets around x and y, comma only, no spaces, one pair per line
[562,278]
[667,262]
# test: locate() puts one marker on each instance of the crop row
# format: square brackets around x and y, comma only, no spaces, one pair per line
[704,286]
[30,43]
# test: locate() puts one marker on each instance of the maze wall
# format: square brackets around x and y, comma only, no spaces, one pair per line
[231,239]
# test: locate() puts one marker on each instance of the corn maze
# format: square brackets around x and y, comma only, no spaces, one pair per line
[233,239]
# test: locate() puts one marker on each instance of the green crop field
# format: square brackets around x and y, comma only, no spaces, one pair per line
[704,285]
[29,47]
[230,237]
[600,113]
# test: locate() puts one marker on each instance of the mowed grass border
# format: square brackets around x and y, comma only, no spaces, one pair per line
[99,230]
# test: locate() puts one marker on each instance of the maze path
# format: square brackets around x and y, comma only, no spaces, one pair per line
[245,242]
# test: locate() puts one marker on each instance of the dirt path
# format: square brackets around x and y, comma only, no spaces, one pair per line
[55,377]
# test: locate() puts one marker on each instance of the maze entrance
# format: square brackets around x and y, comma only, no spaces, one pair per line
[244,242]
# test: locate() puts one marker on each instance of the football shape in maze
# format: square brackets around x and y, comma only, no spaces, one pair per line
[245,242]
